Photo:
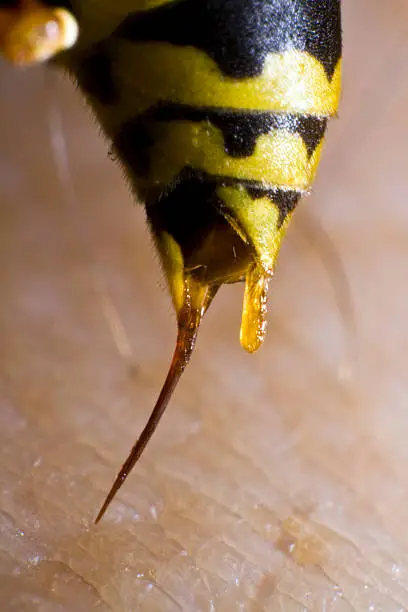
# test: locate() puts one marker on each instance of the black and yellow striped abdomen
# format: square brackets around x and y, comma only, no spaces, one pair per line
[220,127]
[218,110]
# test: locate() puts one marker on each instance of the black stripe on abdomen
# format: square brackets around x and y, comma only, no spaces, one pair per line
[192,207]
[95,73]
[136,138]
[239,34]
[241,129]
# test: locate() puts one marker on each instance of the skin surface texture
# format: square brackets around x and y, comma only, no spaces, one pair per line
[276,482]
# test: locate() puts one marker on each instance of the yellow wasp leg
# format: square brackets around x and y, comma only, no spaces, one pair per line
[34,33]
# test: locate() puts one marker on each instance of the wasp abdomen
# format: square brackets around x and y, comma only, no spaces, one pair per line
[217,110]
[230,95]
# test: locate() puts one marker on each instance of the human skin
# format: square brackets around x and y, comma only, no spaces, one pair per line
[276,481]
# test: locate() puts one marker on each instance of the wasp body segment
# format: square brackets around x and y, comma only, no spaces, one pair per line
[223,110]
[217,110]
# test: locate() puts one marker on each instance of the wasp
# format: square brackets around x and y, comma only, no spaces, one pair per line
[217,110]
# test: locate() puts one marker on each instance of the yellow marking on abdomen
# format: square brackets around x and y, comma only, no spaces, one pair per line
[292,81]
[259,221]
[279,159]
[147,5]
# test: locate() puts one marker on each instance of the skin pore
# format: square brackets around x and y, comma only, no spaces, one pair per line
[275,481]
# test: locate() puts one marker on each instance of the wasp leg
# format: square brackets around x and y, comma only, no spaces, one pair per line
[34,33]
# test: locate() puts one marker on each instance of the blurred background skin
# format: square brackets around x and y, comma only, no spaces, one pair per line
[274,482]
